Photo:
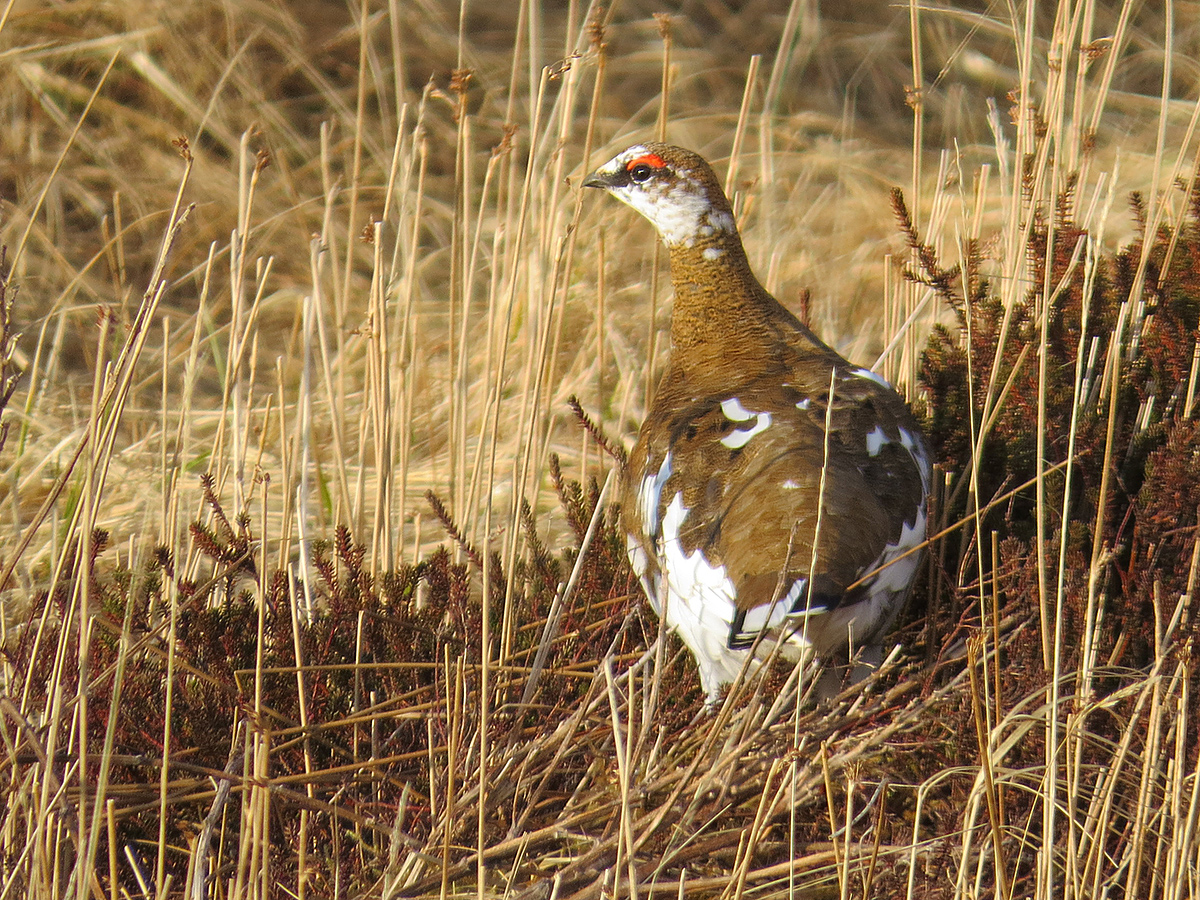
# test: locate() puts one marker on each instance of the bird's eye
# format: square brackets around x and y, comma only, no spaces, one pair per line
[641,173]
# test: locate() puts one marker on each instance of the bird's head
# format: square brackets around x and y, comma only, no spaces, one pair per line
[674,188]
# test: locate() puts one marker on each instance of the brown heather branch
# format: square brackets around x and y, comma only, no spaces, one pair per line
[1137,205]
[354,558]
[1064,207]
[570,498]
[324,566]
[930,273]
[10,374]
[597,433]
[1028,172]
[452,529]
[99,542]
[165,560]
[805,306]
[206,542]
[538,553]
[207,482]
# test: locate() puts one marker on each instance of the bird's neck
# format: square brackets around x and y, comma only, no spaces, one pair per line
[725,326]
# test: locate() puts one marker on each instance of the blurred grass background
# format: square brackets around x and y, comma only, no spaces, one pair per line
[829,130]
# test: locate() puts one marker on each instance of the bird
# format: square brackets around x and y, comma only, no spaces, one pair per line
[776,493]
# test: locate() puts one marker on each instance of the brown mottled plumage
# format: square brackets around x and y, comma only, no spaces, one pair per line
[721,492]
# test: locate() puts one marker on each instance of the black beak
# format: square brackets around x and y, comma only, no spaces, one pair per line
[605,181]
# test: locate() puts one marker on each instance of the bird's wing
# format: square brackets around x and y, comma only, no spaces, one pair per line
[747,472]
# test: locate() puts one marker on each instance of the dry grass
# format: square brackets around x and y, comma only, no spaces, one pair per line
[333,258]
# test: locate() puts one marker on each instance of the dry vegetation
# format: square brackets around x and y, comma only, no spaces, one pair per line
[310,587]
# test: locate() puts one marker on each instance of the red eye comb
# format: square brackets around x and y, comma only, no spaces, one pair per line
[650,159]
